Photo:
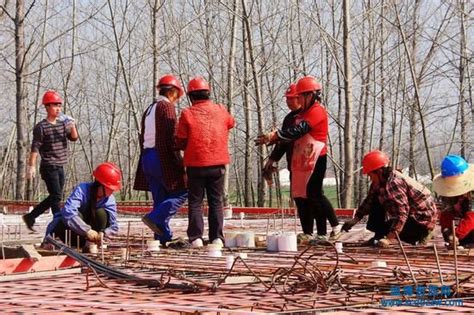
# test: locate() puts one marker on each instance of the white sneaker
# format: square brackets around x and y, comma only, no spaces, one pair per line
[218,241]
[197,243]
[336,232]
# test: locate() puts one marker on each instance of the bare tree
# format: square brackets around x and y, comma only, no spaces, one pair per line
[348,146]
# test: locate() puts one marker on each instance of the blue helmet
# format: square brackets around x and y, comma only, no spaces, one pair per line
[453,165]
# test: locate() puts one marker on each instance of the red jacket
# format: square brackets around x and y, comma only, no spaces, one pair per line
[203,133]
[458,207]
[317,118]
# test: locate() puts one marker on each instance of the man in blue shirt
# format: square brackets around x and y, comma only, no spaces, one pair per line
[90,212]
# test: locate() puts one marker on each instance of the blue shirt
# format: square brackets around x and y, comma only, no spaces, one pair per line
[77,203]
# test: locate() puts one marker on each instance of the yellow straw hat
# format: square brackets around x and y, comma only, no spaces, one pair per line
[450,186]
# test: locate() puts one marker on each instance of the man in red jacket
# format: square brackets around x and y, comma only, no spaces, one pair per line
[203,133]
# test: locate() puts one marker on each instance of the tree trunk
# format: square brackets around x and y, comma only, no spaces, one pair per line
[20,99]
[258,103]
[248,196]
[230,89]
[411,61]
[464,118]
[348,146]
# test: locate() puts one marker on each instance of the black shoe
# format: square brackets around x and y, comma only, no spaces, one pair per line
[152,225]
[177,243]
[371,242]
[29,221]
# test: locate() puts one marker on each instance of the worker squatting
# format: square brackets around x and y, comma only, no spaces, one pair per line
[397,206]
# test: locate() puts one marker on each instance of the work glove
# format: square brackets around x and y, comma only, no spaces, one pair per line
[266,138]
[347,226]
[93,236]
[30,172]
[68,120]
[384,243]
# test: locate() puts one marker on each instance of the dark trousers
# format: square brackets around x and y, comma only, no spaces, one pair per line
[98,221]
[316,207]
[412,232]
[209,180]
[469,239]
[53,176]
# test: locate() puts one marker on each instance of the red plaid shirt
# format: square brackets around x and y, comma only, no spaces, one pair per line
[170,158]
[402,197]
[458,207]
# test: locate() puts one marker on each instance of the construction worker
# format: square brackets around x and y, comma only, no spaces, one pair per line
[50,141]
[309,159]
[395,203]
[203,134]
[283,147]
[161,169]
[455,185]
[90,212]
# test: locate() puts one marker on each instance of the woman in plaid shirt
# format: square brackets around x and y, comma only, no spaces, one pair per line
[396,204]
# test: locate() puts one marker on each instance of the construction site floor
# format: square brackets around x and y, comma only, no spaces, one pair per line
[315,279]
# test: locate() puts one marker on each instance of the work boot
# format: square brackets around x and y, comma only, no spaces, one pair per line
[152,225]
[29,221]
[335,233]
[197,243]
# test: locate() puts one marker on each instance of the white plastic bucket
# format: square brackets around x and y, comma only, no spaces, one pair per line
[231,239]
[246,239]
[272,242]
[287,242]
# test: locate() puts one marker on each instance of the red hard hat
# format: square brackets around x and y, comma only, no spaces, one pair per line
[291,91]
[51,97]
[109,175]
[307,84]
[198,84]
[373,161]
[170,79]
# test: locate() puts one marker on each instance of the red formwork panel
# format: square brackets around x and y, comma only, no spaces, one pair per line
[141,207]
[48,263]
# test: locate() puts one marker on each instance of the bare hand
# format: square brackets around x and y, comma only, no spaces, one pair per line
[30,172]
[266,138]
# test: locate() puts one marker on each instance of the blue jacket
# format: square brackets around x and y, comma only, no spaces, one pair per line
[77,203]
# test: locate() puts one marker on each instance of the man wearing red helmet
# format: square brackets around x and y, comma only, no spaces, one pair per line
[395,203]
[161,169]
[90,212]
[203,134]
[50,139]
[308,137]
[283,147]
